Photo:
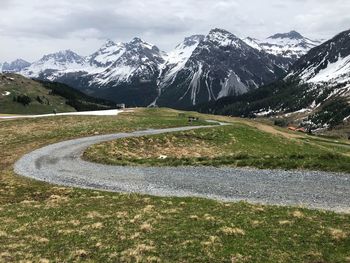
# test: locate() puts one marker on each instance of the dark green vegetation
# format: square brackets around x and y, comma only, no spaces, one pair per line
[284,97]
[77,99]
[236,145]
[280,95]
[41,222]
[134,94]
[332,113]
[19,95]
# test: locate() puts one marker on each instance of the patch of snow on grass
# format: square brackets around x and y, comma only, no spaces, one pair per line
[264,113]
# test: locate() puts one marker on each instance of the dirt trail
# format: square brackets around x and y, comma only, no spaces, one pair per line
[269,129]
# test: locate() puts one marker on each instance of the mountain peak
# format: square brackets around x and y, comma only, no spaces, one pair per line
[290,35]
[222,37]
[109,43]
[220,31]
[138,41]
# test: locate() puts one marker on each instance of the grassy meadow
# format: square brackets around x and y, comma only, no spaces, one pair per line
[48,223]
[237,145]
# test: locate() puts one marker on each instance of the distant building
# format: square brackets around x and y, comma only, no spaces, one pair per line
[295,129]
[121,106]
[192,119]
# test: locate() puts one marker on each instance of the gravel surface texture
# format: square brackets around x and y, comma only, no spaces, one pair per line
[61,164]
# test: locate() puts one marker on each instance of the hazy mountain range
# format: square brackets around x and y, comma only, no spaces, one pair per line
[199,69]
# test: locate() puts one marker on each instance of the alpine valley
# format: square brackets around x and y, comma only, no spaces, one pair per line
[199,70]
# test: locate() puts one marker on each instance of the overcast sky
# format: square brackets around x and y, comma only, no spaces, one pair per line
[32,28]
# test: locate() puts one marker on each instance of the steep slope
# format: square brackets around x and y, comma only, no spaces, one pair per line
[19,95]
[286,47]
[175,61]
[220,65]
[327,64]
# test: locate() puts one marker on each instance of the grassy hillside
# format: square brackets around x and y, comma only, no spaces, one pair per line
[13,86]
[47,223]
[19,95]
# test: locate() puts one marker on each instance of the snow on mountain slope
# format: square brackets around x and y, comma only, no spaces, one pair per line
[126,61]
[177,58]
[328,63]
[220,65]
[107,54]
[338,71]
[253,42]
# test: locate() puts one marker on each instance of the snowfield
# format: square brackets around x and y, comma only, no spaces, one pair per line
[81,113]
[337,71]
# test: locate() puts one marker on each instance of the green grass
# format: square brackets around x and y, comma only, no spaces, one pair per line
[32,89]
[236,145]
[41,222]
[44,97]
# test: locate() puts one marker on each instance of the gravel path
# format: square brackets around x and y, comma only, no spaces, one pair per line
[61,164]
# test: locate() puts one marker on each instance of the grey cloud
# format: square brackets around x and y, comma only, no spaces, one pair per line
[82,24]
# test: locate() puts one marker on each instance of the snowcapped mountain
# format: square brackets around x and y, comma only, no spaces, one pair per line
[14,66]
[123,72]
[51,66]
[136,59]
[289,47]
[211,67]
[198,70]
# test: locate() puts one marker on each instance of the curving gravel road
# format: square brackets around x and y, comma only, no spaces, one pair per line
[61,164]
